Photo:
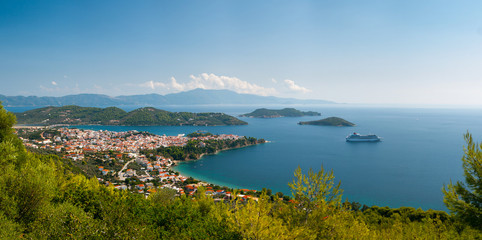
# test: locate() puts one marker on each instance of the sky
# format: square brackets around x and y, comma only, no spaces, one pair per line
[371,52]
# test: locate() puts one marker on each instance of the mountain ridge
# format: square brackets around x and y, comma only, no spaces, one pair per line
[193,97]
[147,116]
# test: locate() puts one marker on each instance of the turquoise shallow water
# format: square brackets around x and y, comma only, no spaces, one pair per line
[420,152]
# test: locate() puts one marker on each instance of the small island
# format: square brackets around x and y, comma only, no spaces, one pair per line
[274,113]
[331,121]
[148,116]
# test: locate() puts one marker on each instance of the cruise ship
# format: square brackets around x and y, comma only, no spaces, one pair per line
[356,137]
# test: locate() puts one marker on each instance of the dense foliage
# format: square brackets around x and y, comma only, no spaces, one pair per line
[40,198]
[330,121]
[194,149]
[148,116]
[199,134]
[285,112]
[465,199]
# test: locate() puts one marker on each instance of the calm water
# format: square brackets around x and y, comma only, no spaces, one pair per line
[420,152]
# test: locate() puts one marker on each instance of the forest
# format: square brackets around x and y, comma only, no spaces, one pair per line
[195,149]
[148,116]
[285,112]
[41,198]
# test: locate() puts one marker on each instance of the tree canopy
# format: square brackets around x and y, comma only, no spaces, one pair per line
[465,199]
[148,116]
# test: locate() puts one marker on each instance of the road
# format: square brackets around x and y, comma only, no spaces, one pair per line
[121,176]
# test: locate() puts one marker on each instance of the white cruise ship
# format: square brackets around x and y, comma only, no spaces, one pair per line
[356,137]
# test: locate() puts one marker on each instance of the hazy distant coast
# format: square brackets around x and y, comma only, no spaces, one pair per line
[193,97]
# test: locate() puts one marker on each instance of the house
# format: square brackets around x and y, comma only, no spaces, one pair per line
[129,173]
[58,148]
[163,176]
[105,171]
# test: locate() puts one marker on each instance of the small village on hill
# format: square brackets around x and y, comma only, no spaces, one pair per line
[122,160]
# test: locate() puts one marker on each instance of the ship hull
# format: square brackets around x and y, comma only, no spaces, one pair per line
[363,140]
[356,137]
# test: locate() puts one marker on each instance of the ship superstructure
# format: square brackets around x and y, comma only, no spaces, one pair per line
[356,137]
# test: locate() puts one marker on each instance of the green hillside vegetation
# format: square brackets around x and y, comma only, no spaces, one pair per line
[148,116]
[273,113]
[193,150]
[199,134]
[41,198]
[331,121]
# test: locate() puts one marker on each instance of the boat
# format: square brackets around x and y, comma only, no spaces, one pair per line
[356,137]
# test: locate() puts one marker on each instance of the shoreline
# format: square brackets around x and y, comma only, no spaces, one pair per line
[215,153]
[178,162]
[207,182]
[76,125]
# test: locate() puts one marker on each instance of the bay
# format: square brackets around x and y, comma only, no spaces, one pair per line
[420,151]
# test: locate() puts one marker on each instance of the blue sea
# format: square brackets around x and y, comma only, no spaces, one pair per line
[420,151]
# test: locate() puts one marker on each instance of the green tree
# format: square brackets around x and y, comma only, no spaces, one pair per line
[255,221]
[7,120]
[163,196]
[465,199]
[316,187]
[315,190]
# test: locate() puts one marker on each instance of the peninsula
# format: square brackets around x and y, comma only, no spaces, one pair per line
[274,113]
[142,158]
[331,121]
[148,116]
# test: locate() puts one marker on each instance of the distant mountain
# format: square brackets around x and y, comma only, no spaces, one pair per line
[80,99]
[273,113]
[193,97]
[331,121]
[148,116]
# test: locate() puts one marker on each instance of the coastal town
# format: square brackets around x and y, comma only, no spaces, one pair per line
[116,158]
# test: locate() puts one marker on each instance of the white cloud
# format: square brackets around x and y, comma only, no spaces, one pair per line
[176,86]
[153,85]
[292,85]
[54,83]
[212,81]
[274,80]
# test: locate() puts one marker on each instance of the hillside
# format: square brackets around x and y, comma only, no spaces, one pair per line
[273,113]
[193,97]
[43,197]
[331,121]
[75,115]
